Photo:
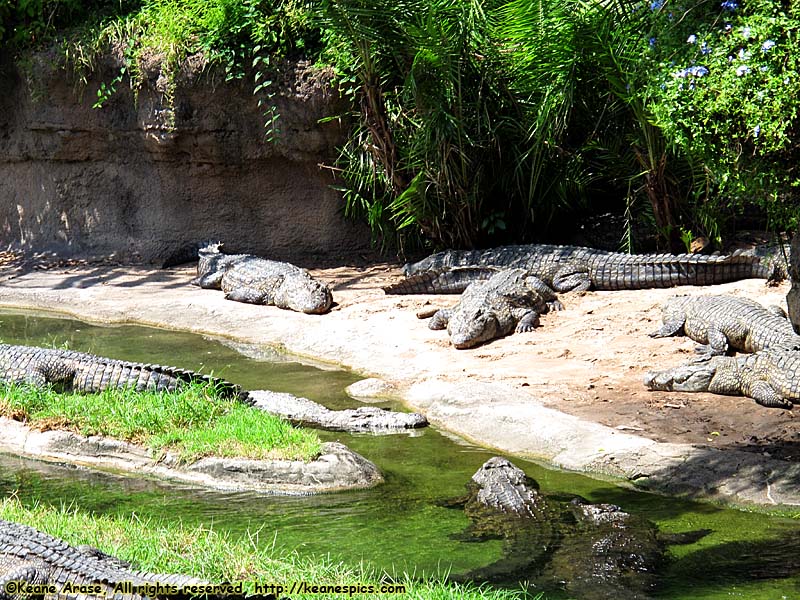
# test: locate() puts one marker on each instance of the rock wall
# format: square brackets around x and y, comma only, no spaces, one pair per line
[144,179]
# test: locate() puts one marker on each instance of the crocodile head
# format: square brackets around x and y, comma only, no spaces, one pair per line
[304,294]
[503,487]
[470,328]
[208,248]
[499,468]
[694,377]
[443,261]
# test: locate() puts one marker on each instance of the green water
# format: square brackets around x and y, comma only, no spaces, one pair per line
[397,526]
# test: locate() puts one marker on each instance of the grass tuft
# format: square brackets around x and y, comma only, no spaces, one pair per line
[162,547]
[193,422]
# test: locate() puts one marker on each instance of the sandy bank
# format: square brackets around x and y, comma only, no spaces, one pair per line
[569,393]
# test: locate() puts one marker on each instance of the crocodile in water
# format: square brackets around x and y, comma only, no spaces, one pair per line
[60,571]
[771,377]
[593,550]
[306,413]
[509,301]
[255,280]
[726,323]
[574,268]
[82,372]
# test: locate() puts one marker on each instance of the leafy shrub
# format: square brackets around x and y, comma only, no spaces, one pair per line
[483,121]
[724,90]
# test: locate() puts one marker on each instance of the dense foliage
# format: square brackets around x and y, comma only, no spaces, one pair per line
[724,90]
[482,121]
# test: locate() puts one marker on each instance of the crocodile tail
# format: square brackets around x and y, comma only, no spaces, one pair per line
[452,281]
[95,375]
[222,387]
[628,272]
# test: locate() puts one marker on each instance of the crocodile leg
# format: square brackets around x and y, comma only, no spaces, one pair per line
[248,295]
[763,393]
[528,319]
[672,326]
[210,281]
[440,319]
[35,378]
[717,343]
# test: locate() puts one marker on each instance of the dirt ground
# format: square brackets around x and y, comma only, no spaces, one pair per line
[589,361]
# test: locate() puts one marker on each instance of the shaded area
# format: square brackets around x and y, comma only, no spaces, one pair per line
[736,565]
[709,472]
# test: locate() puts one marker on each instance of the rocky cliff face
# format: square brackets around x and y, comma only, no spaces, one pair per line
[145,178]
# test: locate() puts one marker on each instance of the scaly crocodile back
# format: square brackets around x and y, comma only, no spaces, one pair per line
[452,281]
[726,322]
[603,270]
[261,281]
[83,372]
[30,556]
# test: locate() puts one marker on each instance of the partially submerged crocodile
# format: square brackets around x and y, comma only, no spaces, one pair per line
[82,372]
[574,268]
[509,301]
[726,323]
[255,280]
[306,413]
[593,550]
[36,565]
[771,377]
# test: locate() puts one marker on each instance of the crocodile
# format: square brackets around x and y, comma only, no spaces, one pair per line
[83,372]
[771,376]
[509,301]
[575,268]
[592,550]
[725,323]
[34,564]
[307,413]
[255,280]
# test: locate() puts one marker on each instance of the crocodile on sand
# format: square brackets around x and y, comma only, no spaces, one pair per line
[509,301]
[726,323]
[595,551]
[574,268]
[82,372]
[255,280]
[771,377]
[29,557]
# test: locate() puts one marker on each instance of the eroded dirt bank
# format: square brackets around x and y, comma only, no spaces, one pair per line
[569,392]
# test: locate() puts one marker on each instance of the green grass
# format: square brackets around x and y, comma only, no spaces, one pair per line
[162,547]
[193,422]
